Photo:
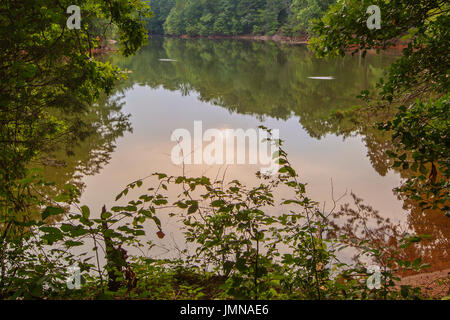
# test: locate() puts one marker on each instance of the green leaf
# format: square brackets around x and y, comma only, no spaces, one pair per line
[106,215]
[179,180]
[217,203]
[51,211]
[139,233]
[62,198]
[157,221]
[193,208]
[50,230]
[52,234]
[71,243]
[110,233]
[66,227]
[181,205]
[78,231]
[85,212]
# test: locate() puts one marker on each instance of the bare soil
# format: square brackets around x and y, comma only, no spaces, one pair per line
[429,282]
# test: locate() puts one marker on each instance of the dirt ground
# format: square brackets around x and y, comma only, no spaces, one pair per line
[429,283]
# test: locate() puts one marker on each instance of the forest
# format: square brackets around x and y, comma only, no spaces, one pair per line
[235,17]
[60,97]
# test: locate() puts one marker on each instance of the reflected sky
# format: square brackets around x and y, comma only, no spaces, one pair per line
[155,113]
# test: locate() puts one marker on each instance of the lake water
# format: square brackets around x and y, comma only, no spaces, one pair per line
[238,84]
[235,84]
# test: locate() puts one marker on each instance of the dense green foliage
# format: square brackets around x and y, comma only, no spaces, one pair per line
[235,17]
[161,10]
[422,131]
[50,80]
[421,74]
[49,77]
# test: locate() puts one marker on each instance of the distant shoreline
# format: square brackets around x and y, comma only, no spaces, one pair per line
[276,38]
[400,45]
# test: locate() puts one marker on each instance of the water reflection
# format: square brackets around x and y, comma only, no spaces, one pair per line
[256,78]
[240,85]
[89,146]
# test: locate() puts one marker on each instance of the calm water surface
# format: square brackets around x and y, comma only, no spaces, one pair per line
[230,84]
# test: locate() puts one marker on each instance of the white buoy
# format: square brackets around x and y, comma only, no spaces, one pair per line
[322,78]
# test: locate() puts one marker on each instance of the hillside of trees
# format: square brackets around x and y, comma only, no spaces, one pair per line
[234,17]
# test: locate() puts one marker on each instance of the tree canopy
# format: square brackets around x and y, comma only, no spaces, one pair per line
[47,67]
[235,17]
